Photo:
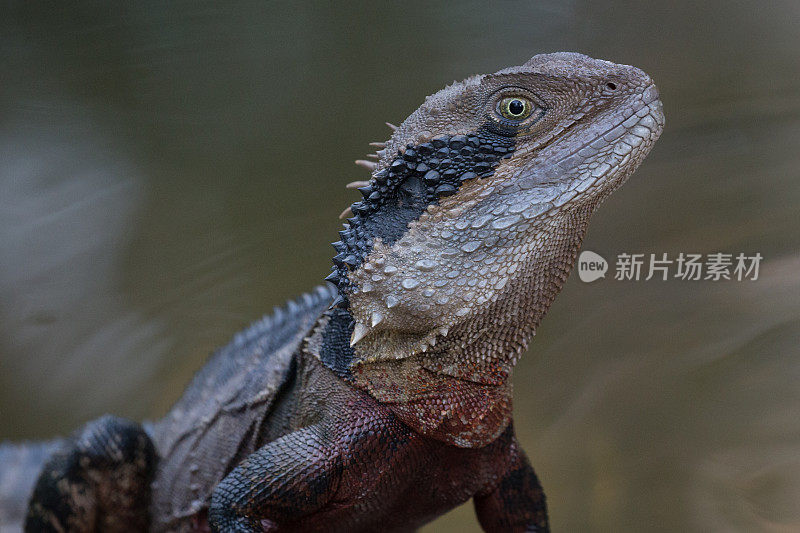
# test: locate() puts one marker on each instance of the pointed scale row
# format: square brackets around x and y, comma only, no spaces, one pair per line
[282,315]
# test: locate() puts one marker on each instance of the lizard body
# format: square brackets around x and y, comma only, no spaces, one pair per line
[385,402]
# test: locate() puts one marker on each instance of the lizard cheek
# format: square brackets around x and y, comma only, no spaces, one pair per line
[451,263]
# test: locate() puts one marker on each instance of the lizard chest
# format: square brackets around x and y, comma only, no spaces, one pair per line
[406,480]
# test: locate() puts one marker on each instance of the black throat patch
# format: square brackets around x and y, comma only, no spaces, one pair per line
[401,192]
[397,195]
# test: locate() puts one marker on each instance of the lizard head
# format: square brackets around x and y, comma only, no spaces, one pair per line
[477,206]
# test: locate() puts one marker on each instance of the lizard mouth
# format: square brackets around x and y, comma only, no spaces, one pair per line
[599,164]
[651,106]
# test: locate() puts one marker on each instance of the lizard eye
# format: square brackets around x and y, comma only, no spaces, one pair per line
[514,111]
[515,108]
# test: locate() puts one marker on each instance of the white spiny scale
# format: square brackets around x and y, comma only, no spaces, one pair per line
[369,165]
[425,264]
[481,221]
[517,208]
[410,283]
[377,318]
[359,332]
[471,246]
[505,222]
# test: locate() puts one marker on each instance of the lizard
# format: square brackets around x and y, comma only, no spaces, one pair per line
[384,398]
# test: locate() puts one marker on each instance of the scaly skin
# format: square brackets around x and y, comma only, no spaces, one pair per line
[386,402]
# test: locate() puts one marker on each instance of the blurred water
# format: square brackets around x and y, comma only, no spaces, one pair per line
[170,172]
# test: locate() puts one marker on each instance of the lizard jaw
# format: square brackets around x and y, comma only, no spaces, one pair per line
[520,205]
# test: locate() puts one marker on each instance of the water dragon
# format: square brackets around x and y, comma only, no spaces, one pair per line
[383,399]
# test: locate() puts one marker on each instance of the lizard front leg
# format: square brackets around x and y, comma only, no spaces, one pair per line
[517,503]
[285,480]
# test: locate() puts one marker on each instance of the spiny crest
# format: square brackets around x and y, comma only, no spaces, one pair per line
[280,315]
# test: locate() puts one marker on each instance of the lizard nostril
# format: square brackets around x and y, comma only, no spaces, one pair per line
[611,85]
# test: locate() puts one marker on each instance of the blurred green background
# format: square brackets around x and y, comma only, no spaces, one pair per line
[170,171]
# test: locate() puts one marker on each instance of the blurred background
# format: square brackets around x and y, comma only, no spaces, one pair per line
[170,171]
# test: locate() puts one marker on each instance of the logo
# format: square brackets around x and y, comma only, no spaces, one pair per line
[591,266]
